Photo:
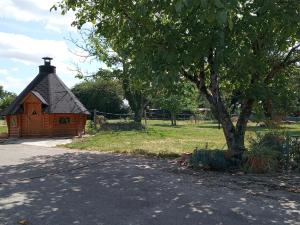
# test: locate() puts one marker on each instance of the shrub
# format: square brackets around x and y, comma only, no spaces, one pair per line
[265,153]
[122,126]
[213,159]
[293,153]
[90,129]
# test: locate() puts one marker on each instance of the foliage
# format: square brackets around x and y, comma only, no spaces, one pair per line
[6,98]
[213,160]
[136,90]
[90,128]
[3,127]
[122,126]
[104,95]
[292,155]
[182,97]
[285,92]
[265,153]
[280,98]
[219,45]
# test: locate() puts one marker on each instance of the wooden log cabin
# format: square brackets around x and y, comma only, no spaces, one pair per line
[46,107]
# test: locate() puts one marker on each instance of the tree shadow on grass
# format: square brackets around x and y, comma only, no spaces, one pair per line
[87,188]
[283,129]
[209,127]
[168,125]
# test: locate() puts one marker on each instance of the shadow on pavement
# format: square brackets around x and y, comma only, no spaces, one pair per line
[87,188]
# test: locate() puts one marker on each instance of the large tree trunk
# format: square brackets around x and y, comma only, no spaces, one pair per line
[233,140]
[136,100]
[234,135]
[268,108]
[173,119]
[138,114]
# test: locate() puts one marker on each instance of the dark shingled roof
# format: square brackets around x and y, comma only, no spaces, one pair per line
[55,96]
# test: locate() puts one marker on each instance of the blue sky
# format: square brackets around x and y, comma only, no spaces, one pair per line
[28,32]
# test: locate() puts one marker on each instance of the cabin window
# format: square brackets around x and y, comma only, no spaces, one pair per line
[64,120]
[34,113]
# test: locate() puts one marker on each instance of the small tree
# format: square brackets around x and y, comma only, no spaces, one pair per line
[6,98]
[135,89]
[183,96]
[102,94]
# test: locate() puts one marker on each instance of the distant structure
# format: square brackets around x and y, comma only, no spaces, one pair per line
[46,107]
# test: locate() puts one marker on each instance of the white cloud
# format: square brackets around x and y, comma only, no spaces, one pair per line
[14,83]
[28,50]
[24,52]
[3,71]
[36,11]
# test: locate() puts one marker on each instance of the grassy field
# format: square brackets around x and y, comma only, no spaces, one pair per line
[3,127]
[159,138]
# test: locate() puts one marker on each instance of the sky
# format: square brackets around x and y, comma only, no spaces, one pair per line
[28,32]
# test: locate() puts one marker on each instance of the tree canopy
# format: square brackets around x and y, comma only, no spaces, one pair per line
[221,46]
[101,94]
[6,98]
[183,96]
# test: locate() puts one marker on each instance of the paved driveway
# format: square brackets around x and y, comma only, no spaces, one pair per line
[52,186]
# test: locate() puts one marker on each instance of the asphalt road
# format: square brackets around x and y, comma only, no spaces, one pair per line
[52,186]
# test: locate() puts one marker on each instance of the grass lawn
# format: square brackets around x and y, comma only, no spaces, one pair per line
[3,127]
[159,138]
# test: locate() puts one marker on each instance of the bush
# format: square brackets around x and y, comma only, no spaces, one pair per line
[90,129]
[293,153]
[213,159]
[265,154]
[122,126]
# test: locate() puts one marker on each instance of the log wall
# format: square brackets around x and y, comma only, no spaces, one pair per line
[33,122]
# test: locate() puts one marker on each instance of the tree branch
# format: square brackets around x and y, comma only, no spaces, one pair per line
[280,66]
[190,77]
[293,49]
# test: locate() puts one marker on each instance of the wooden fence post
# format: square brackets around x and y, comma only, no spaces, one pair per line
[95,116]
[145,117]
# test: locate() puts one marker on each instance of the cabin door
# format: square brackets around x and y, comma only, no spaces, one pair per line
[34,118]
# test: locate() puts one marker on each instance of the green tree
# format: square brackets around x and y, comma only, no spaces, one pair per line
[218,45]
[183,96]
[6,98]
[282,97]
[136,90]
[101,94]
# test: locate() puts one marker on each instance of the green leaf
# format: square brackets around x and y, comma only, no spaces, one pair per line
[204,3]
[210,17]
[219,4]
[186,2]
[230,22]
[178,6]
[222,17]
